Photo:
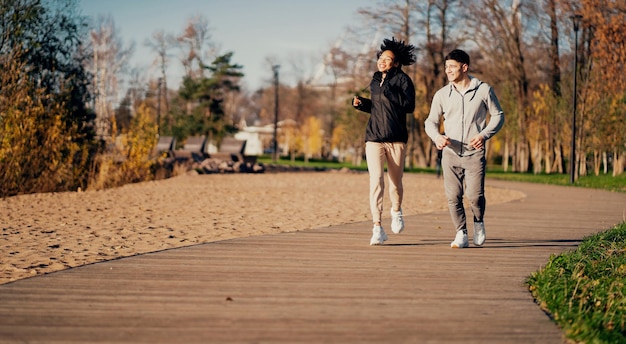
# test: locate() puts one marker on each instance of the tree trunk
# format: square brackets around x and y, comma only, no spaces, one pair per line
[557,165]
[619,162]
[537,156]
[549,158]
[555,69]
[597,161]
[505,156]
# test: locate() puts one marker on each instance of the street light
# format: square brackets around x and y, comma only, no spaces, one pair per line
[159,83]
[275,141]
[576,20]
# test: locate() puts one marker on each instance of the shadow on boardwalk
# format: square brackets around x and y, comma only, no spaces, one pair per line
[325,285]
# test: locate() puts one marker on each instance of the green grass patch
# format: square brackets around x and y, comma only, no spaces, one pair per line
[311,163]
[585,290]
[603,181]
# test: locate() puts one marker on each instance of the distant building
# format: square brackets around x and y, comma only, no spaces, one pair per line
[258,138]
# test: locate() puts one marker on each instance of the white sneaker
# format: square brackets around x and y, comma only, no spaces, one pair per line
[460,241]
[479,233]
[397,222]
[378,235]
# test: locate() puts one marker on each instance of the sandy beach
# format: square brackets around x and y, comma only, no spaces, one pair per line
[43,233]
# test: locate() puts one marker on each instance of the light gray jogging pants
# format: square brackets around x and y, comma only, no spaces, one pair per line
[464,174]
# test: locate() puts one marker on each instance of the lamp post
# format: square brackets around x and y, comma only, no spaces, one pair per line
[576,20]
[275,141]
[159,106]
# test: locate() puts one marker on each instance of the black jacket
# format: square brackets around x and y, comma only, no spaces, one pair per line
[388,107]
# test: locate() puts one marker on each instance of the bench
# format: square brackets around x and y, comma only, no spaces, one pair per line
[231,149]
[194,149]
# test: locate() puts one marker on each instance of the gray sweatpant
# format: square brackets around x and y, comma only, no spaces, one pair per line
[464,173]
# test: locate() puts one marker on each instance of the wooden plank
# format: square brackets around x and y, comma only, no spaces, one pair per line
[321,285]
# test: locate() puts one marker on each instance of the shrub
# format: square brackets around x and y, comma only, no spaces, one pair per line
[128,157]
[585,290]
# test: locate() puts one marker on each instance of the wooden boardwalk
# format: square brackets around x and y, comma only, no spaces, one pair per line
[324,285]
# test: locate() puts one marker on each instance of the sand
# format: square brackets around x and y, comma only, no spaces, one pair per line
[43,233]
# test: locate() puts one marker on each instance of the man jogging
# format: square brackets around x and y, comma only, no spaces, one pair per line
[464,105]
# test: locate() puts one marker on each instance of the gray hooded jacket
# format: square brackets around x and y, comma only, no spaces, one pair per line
[465,115]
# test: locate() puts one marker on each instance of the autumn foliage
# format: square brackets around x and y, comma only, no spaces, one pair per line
[62,126]
[36,149]
[130,158]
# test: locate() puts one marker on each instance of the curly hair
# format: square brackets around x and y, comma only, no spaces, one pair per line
[404,53]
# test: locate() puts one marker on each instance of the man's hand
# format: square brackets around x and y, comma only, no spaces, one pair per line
[356,101]
[442,141]
[477,142]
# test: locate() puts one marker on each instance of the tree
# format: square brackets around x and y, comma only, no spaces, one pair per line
[348,135]
[312,137]
[130,159]
[324,101]
[603,90]
[46,131]
[437,18]
[426,25]
[195,46]
[161,44]
[497,28]
[110,57]
[348,64]
[397,17]
[207,117]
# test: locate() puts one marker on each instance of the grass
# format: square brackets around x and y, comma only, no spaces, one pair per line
[603,181]
[584,291]
[312,163]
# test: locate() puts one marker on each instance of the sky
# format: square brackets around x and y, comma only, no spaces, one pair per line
[254,30]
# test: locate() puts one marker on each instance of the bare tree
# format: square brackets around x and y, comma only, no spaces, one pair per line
[438,19]
[196,47]
[110,57]
[351,64]
[397,17]
[161,44]
[497,29]
[426,25]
